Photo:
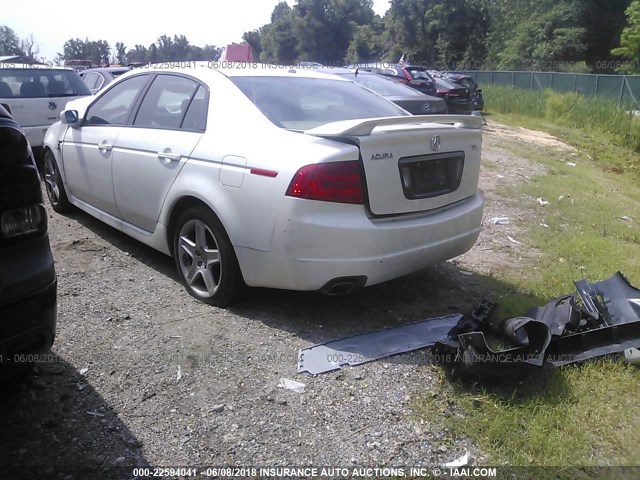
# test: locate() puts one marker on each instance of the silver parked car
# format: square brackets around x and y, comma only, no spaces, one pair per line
[269,176]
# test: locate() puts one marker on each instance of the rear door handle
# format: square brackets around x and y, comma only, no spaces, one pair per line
[167,155]
[104,146]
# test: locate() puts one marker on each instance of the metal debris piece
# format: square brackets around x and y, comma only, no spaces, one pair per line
[599,319]
[367,347]
[632,355]
[500,220]
[292,385]
[513,240]
[461,461]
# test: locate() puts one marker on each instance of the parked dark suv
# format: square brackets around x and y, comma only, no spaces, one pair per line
[28,306]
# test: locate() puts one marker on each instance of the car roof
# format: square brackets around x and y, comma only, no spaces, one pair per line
[107,69]
[204,70]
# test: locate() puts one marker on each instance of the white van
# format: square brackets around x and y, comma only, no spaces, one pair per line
[36,94]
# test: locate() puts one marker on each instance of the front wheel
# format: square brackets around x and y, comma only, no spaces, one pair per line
[53,184]
[205,258]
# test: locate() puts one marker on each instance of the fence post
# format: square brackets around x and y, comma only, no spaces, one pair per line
[622,84]
[531,80]
[492,77]
[575,82]
[595,94]
[513,79]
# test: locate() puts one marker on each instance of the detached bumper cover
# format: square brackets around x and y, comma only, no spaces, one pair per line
[599,319]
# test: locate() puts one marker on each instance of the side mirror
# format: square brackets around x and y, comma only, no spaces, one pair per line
[70,117]
[6,107]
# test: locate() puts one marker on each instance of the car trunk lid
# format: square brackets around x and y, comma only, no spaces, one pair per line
[414,164]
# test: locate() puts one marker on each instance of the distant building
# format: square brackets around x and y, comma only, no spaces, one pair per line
[238,52]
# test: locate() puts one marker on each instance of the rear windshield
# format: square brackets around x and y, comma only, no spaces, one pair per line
[35,83]
[300,103]
[383,86]
[418,74]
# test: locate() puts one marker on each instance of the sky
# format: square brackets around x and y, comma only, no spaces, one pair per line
[132,22]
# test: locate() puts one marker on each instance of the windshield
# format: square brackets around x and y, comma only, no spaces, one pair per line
[36,83]
[301,103]
[382,86]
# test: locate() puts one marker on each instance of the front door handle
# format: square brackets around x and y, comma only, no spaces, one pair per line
[167,155]
[104,146]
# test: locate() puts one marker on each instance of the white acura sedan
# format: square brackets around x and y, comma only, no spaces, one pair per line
[269,177]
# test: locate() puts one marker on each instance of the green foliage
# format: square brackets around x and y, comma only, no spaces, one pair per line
[95,51]
[165,48]
[548,36]
[630,40]
[446,34]
[9,42]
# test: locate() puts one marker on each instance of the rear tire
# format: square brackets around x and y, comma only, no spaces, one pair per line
[54,186]
[205,259]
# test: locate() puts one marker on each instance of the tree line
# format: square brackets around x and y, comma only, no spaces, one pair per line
[576,35]
[558,35]
[99,52]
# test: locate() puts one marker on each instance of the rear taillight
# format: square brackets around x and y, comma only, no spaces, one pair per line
[23,221]
[407,75]
[329,182]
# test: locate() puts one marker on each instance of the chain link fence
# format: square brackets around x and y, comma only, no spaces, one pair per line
[625,89]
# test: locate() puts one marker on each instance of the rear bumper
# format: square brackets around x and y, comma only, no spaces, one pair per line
[321,242]
[28,326]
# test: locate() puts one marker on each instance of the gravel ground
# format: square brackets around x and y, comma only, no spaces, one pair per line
[144,374]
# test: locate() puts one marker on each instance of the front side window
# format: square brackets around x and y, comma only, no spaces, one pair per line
[114,106]
[166,102]
[301,103]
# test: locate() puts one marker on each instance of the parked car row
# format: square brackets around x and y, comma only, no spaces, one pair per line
[460,92]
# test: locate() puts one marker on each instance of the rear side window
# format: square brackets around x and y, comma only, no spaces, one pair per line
[301,103]
[196,116]
[114,106]
[39,82]
[166,102]
[93,80]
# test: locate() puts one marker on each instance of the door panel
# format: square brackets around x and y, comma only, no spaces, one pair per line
[149,155]
[145,164]
[87,151]
[87,164]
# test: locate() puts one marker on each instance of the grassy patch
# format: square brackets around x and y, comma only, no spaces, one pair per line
[602,120]
[574,416]
[581,414]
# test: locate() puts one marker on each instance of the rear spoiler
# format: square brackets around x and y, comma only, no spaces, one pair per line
[363,127]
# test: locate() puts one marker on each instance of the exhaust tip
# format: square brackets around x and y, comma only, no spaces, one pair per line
[343,285]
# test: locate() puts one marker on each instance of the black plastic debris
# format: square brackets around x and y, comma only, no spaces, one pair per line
[601,318]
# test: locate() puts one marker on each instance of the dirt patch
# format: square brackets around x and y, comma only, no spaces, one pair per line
[146,375]
[526,136]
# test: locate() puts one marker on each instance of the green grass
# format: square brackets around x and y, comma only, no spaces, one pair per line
[597,117]
[581,414]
